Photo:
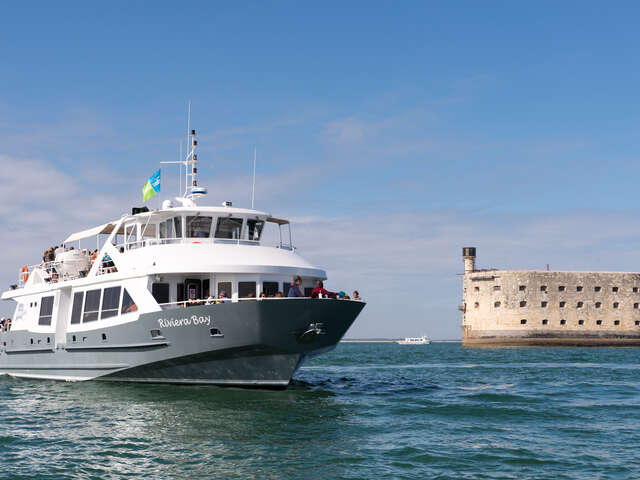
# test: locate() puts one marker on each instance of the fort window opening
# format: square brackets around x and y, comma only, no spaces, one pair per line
[597,289]
[579,305]
[562,304]
[616,304]
[617,322]
[543,304]
[561,288]
[476,305]
[614,289]
[523,288]
[523,304]
[598,304]
[476,289]
[543,288]
[523,321]
[580,322]
[635,289]
[635,305]
[598,322]
[637,322]
[496,304]
[545,321]
[579,288]
[563,322]
[496,288]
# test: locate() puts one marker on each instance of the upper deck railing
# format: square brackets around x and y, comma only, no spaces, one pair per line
[148,242]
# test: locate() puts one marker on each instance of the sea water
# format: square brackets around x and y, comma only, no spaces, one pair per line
[362,411]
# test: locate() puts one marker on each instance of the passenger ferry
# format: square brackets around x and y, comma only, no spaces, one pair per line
[423,340]
[172,296]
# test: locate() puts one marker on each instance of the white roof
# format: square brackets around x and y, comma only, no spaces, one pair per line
[91,232]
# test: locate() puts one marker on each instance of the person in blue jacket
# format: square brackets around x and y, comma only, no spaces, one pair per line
[294,289]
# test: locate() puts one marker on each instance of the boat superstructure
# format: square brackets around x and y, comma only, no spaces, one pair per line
[183,294]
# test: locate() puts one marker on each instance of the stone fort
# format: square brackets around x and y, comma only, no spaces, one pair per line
[542,307]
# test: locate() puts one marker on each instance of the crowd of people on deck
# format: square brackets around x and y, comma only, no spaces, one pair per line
[5,324]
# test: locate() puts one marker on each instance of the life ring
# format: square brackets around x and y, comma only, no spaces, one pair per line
[24,274]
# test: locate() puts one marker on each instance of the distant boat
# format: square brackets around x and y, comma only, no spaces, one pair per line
[423,340]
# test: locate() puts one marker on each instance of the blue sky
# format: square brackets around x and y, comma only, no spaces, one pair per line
[394,133]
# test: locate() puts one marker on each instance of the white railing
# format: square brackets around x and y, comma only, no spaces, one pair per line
[215,301]
[195,240]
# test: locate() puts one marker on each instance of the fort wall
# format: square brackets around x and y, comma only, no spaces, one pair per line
[521,307]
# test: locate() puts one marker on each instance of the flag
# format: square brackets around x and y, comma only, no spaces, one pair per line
[152,186]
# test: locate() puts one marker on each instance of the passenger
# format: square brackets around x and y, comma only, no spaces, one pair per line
[356,296]
[222,296]
[320,291]
[262,295]
[94,255]
[347,297]
[341,295]
[294,288]
[210,300]
[121,249]
[279,295]
[251,295]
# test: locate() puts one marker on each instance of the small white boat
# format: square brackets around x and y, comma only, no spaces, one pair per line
[423,340]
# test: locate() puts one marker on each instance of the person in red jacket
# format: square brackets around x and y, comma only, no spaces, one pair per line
[320,290]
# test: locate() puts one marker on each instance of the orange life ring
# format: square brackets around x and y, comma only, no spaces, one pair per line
[24,274]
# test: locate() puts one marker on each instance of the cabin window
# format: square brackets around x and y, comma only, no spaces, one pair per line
[177,224]
[46,311]
[308,291]
[91,306]
[285,288]
[254,229]
[246,289]
[270,288]
[128,305]
[76,311]
[224,287]
[130,234]
[206,288]
[166,229]
[110,302]
[160,292]
[199,227]
[228,228]
[180,292]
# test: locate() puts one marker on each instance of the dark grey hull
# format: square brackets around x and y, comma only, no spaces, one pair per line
[248,343]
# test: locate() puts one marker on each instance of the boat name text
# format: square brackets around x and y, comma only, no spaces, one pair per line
[184,322]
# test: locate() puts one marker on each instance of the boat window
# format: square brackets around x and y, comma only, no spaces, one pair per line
[228,228]
[160,292]
[76,312]
[199,227]
[91,306]
[130,234]
[308,291]
[177,223]
[46,311]
[180,292]
[246,289]
[285,288]
[128,305]
[270,288]
[166,229]
[254,229]
[226,288]
[110,302]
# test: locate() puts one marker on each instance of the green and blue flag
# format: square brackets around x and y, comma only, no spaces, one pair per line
[152,186]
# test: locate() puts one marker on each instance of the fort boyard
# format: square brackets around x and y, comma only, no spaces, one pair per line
[542,307]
